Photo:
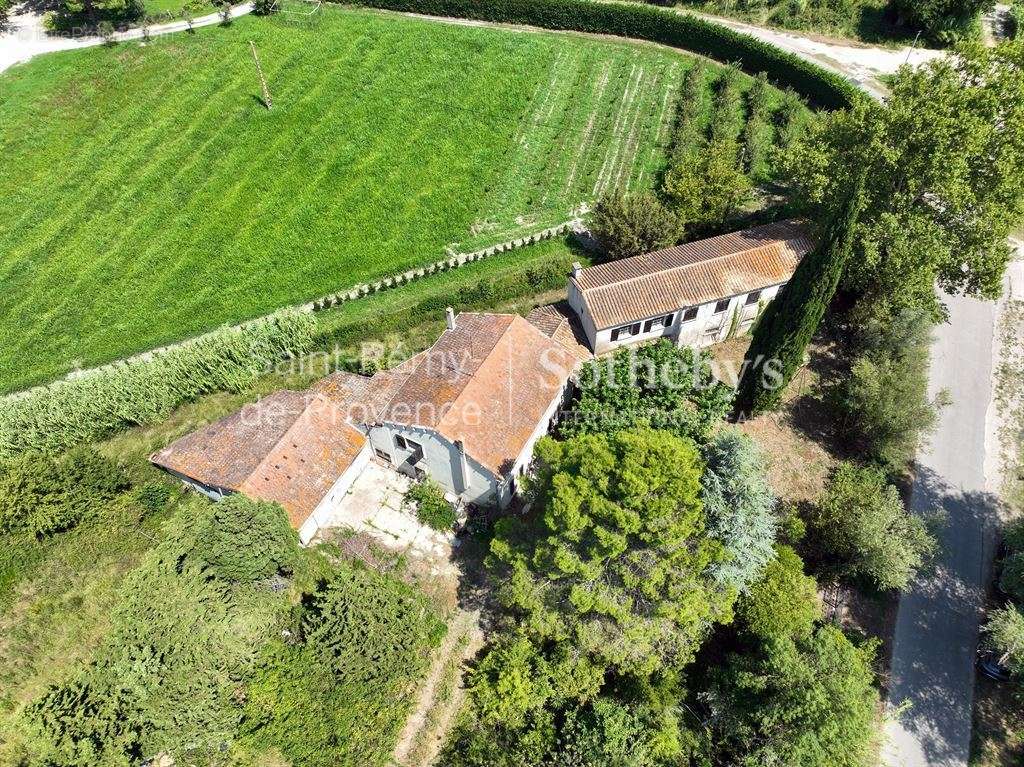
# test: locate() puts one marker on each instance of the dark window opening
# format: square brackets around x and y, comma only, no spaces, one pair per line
[689,314]
[754,297]
[722,305]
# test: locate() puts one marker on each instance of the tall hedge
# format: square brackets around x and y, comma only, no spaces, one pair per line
[659,25]
[73,411]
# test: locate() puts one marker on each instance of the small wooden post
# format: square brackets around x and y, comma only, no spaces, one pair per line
[263,81]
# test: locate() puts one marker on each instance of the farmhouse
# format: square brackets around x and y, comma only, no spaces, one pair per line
[468,410]
[693,293]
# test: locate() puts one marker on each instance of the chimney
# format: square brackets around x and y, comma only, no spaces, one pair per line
[449,318]
[576,268]
[463,464]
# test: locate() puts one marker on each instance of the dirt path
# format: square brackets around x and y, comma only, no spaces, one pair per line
[441,696]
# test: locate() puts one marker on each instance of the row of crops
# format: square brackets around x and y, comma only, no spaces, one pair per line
[600,123]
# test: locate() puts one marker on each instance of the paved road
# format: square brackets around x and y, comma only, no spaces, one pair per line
[27,38]
[938,618]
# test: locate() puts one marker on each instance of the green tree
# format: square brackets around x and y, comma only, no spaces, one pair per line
[1004,634]
[632,225]
[245,540]
[809,703]
[943,21]
[706,185]
[884,399]
[860,521]
[658,385]
[791,320]
[1011,580]
[618,562]
[740,507]
[783,602]
[943,160]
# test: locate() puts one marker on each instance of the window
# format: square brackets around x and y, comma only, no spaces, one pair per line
[722,305]
[407,444]
[753,298]
[626,331]
[657,323]
[689,314]
[382,455]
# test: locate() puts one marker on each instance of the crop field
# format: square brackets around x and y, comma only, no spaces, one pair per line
[147,195]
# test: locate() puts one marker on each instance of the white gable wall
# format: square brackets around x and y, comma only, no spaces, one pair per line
[329,503]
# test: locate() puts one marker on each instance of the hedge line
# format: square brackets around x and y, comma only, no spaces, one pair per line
[484,294]
[645,22]
[74,411]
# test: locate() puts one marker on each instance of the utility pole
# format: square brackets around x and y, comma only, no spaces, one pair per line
[263,81]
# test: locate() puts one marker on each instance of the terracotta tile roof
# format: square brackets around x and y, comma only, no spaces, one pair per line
[307,460]
[559,323]
[487,383]
[694,273]
[289,447]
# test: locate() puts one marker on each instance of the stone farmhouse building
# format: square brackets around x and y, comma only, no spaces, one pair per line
[468,411]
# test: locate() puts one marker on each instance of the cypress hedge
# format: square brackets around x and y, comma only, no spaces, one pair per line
[635,20]
[790,321]
[74,411]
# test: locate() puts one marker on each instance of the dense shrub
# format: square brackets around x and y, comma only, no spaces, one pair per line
[943,21]
[627,226]
[145,390]
[659,385]
[783,603]
[648,23]
[1004,635]
[340,691]
[884,400]
[44,495]
[244,540]
[432,509]
[863,526]
[1011,580]
[810,703]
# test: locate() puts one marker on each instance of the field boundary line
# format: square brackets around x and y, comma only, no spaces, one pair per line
[356,292]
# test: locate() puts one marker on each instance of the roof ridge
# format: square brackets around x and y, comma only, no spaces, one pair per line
[683,267]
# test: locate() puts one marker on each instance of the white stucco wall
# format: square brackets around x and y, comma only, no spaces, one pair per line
[706,328]
[329,504]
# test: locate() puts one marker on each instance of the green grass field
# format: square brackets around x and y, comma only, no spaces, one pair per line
[147,195]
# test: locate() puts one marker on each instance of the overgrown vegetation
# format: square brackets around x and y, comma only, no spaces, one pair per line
[432,508]
[208,641]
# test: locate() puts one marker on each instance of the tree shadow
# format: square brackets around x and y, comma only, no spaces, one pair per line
[939,620]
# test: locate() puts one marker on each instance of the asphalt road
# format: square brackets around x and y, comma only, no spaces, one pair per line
[939,616]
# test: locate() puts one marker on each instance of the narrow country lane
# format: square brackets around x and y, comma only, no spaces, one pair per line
[938,619]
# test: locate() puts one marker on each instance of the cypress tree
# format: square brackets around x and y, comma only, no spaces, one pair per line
[789,322]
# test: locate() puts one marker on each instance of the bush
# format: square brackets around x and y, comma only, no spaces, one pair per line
[432,509]
[1004,635]
[784,602]
[633,225]
[943,21]
[153,496]
[649,23]
[145,390]
[242,540]
[884,400]
[861,522]
[1011,580]
[45,495]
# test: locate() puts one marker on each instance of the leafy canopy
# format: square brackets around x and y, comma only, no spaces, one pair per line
[944,165]
[783,603]
[809,703]
[618,561]
[658,385]
[861,521]
[627,226]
